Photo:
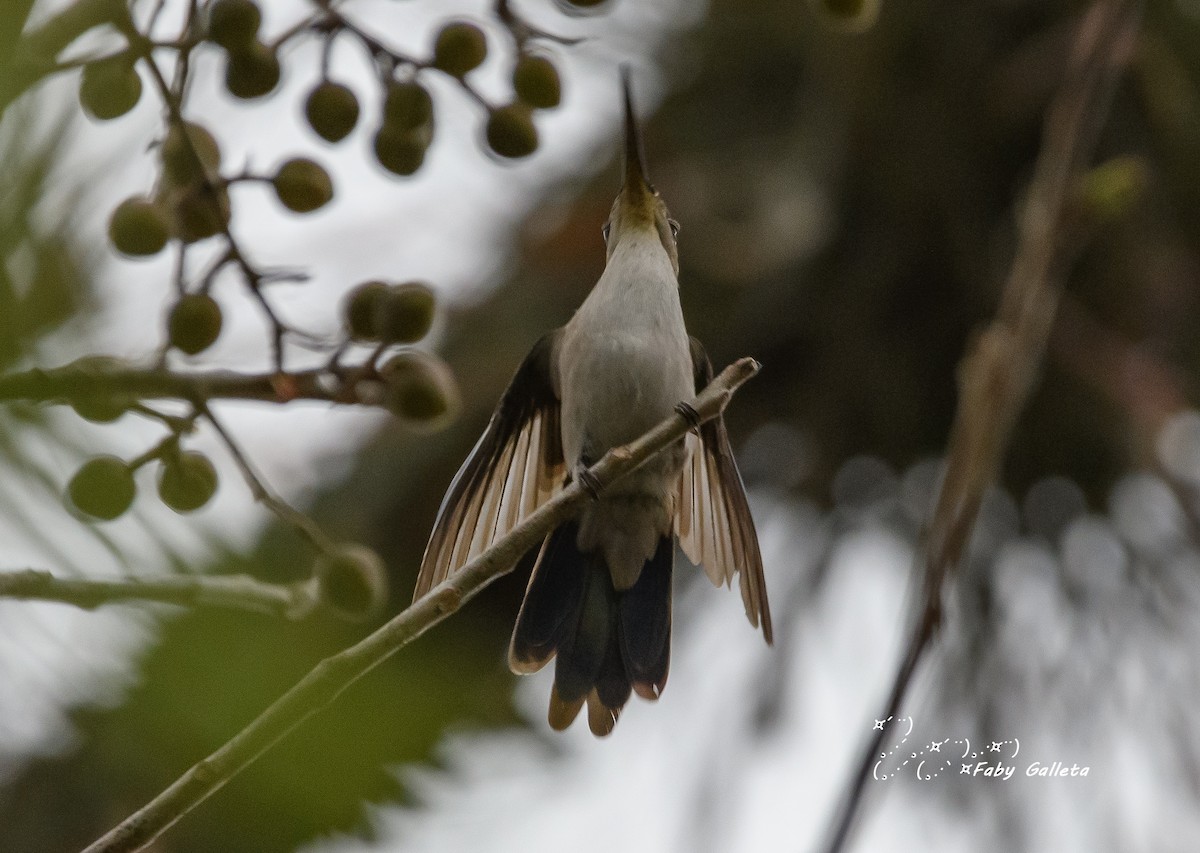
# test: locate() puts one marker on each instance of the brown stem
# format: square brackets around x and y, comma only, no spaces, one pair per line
[73,382]
[284,511]
[252,276]
[237,592]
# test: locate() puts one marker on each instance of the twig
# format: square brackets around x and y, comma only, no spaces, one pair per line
[1001,370]
[374,46]
[333,675]
[170,443]
[152,18]
[190,38]
[522,31]
[73,382]
[250,274]
[299,28]
[284,511]
[175,423]
[237,592]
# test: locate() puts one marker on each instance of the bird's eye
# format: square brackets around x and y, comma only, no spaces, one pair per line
[605,230]
[674,228]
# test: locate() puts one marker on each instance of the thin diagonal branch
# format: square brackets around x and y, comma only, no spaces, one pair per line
[237,592]
[262,493]
[334,674]
[1001,370]
[74,382]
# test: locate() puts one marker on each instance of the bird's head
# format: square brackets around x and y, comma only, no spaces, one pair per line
[638,207]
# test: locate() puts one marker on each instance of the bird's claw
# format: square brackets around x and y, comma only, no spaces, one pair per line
[688,412]
[588,481]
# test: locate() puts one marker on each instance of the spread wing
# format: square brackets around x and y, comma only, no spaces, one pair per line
[712,517]
[516,466]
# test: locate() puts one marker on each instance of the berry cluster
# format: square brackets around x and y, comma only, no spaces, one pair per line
[189,203]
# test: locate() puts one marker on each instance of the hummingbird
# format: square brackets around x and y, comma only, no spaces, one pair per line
[599,595]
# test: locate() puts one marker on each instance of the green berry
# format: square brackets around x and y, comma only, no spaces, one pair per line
[460,48]
[100,410]
[510,131]
[199,212]
[233,24]
[182,162]
[362,308]
[194,324]
[536,82]
[420,389]
[99,407]
[401,152]
[103,488]
[186,481]
[1111,189]
[138,227]
[109,87]
[353,580]
[407,105]
[303,185]
[332,111]
[405,313]
[252,71]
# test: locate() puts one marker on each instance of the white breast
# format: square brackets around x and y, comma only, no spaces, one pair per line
[624,361]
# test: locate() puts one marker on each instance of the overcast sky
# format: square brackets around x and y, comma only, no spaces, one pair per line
[687,773]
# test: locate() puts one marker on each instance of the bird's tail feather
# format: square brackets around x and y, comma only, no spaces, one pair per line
[551,601]
[644,618]
[608,643]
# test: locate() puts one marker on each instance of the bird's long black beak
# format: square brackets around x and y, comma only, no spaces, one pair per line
[636,184]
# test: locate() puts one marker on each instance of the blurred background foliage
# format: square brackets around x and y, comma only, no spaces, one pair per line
[846,203]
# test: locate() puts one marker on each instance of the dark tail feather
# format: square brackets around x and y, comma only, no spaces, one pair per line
[612,684]
[607,643]
[582,652]
[551,605]
[644,623]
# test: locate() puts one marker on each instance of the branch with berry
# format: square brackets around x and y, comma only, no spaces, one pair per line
[188,210]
